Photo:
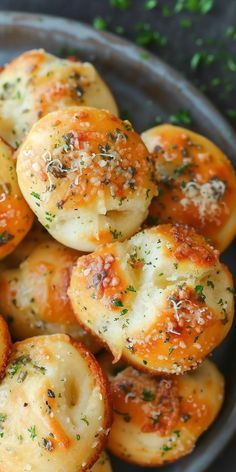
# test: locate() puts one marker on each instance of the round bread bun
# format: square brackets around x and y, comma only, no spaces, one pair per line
[162,300]
[87,176]
[5,346]
[36,83]
[33,297]
[103,464]
[159,419]
[197,183]
[37,235]
[16,217]
[55,411]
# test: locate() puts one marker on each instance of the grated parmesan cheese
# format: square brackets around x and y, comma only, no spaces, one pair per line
[205,197]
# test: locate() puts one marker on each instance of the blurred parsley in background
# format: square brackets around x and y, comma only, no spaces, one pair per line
[183,33]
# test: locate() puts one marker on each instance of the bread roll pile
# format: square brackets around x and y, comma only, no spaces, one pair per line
[109,247]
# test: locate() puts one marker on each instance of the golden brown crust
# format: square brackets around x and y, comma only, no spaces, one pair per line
[162,300]
[36,83]
[63,406]
[15,216]
[158,420]
[197,183]
[5,346]
[87,176]
[103,464]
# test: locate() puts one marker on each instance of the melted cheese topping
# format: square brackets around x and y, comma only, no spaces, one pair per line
[206,198]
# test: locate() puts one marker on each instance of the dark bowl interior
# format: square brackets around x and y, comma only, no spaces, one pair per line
[146,88]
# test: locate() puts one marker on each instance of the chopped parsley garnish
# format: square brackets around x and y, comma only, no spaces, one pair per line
[2,420]
[150,4]
[166,11]
[144,55]
[121,4]
[117,302]
[181,117]
[231,113]
[181,169]
[231,64]
[5,237]
[23,361]
[35,195]
[158,120]
[231,290]
[32,431]
[130,288]
[146,36]
[85,420]
[185,23]
[16,365]
[100,23]
[231,32]
[148,395]
[119,29]
[201,57]
[126,416]
[194,6]
[115,234]
[199,290]
[210,284]
[123,312]
[166,448]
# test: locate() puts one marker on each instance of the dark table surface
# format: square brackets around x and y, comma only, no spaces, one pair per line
[202,46]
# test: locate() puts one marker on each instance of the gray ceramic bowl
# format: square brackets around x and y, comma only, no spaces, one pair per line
[146,88]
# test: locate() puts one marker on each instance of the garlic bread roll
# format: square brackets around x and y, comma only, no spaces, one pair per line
[197,183]
[33,297]
[16,217]
[87,176]
[159,419]
[36,83]
[103,464]
[55,412]
[162,300]
[5,347]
